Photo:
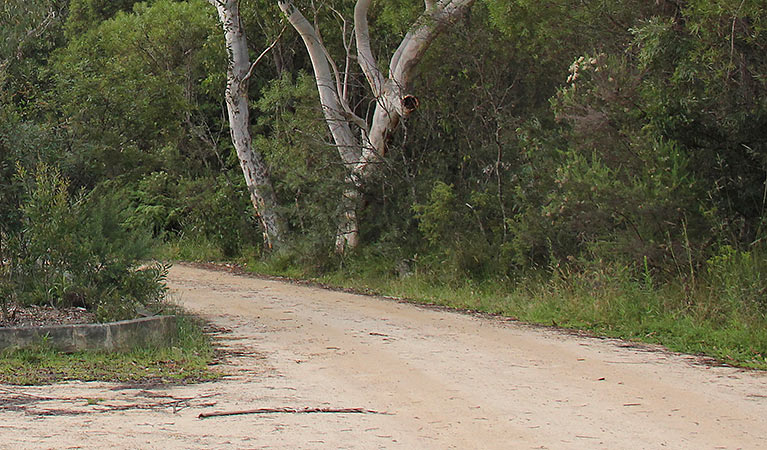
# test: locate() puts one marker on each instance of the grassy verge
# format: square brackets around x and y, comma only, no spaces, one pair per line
[188,250]
[720,313]
[185,361]
[701,319]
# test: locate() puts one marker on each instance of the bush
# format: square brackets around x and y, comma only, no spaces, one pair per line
[455,232]
[75,250]
[211,211]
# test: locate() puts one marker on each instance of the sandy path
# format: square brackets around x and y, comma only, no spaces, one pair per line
[446,380]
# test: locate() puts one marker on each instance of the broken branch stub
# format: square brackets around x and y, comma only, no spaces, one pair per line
[409,104]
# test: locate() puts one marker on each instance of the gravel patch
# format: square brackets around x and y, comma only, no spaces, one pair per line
[35,316]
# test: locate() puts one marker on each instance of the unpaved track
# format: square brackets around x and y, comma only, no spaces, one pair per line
[446,380]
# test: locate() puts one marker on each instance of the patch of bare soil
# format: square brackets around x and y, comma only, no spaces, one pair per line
[35,316]
[311,368]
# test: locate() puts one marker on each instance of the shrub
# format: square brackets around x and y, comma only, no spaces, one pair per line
[75,250]
[455,231]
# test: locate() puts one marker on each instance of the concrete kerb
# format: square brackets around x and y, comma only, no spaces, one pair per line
[156,331]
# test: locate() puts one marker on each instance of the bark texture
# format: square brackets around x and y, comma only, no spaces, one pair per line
[254,169]
[360,144]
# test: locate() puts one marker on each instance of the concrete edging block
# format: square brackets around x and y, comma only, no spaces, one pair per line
[156,331]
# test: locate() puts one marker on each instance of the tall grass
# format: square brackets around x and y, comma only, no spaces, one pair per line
[718,309]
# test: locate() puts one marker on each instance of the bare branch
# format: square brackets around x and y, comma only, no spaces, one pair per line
[365,57]
[290,411]
[340,90]
[263,54]
[344,91]
[347,68]
[36,31]
[419,38]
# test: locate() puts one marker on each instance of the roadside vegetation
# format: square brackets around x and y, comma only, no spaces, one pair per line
[76,249]
[79,250]
[721,316]
[597,165]
[186,360]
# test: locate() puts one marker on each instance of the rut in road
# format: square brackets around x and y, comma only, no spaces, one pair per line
[446,380]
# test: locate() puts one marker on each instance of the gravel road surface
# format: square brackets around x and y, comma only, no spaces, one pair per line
[430,379]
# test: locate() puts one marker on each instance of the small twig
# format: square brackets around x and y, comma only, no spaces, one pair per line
[290,411]
[175,405]
[263,53]
[17,395]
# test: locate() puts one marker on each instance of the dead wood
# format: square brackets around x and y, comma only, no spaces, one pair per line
[290,411]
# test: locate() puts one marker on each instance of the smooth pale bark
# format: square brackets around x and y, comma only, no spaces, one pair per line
[360,149]
[254,169]
[338,121]
[333,110]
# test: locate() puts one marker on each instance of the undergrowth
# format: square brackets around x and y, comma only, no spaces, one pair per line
[721,313]
[75,249]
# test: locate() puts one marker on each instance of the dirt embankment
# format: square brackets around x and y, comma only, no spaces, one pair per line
[438,379]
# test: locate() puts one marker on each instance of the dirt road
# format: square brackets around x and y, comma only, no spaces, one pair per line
[439,379]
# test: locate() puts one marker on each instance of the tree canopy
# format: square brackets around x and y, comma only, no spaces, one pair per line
[548,134]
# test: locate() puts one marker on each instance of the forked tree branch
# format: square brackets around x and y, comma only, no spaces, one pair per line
[433,21]
[392,103]
[332,105]
[263,54]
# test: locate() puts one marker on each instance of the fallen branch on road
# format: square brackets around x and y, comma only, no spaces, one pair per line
[290,411]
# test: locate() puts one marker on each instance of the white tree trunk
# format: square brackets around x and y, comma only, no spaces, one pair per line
[254,169]
[337,116]
[359,151]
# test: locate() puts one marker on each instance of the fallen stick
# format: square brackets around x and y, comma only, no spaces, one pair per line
[290,411]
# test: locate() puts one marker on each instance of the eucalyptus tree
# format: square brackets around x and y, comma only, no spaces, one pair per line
[254,168]
[360,142]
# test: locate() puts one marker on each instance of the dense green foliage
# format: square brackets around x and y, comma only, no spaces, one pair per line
[76,250]
[612,149]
